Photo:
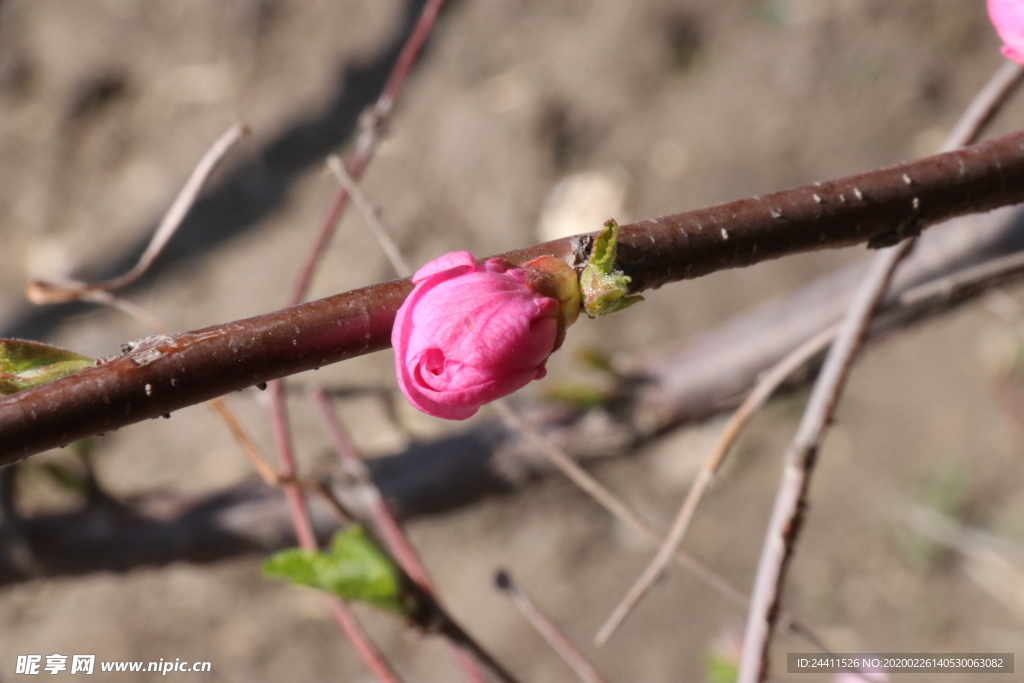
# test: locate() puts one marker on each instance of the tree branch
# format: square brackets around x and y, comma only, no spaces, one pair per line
[791,499]
[165,373]
[429,477]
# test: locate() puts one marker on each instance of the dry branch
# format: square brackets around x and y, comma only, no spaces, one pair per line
[791,498]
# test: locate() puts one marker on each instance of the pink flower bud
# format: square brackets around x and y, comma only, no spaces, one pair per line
[1008,17]
[469,334]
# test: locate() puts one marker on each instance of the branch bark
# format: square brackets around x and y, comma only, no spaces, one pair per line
[456,471]
[165,373]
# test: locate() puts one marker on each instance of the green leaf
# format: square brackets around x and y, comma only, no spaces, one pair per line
[354,569]
[26,364]
[602,256]
[605,290]
[295,565]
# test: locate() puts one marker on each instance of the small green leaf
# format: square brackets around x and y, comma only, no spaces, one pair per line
[295,565]
[605,290]
[603,254]
[26,364]
[354,569]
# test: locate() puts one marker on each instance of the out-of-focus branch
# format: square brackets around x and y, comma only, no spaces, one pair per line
[764,390]
[279,423]
[548,630]
[373,122]
[188,368]
[362,497]
[44,292]
[429,477]
[712,371]
[798,467]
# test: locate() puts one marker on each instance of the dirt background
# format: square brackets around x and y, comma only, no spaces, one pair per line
[105,106]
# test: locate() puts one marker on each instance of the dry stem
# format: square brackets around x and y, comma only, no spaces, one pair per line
[790,503]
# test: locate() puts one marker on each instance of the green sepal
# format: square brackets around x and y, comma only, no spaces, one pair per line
[605,290]
[26,364]
[353,569]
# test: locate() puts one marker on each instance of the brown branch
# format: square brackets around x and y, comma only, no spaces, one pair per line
[366,502]
[715,369]
[191,367]
[458,470]
[373,122]
[279,423]
[429,477]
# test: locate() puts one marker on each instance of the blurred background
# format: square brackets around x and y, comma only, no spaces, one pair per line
[523,120]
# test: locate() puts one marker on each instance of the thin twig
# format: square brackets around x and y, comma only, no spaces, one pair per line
[790,502]
[985,105]
[625,514]
[766,386]
[372,124]
[376,511]
[281,433]
[964,282]
[364,148]
[105,298]
[359,483]
[428,614]
[548,630]
[608,500]
[44,292]
[455,634]
[47,292]
[787,514]
[371,215]
[252,451]
[303,526]
[364,647]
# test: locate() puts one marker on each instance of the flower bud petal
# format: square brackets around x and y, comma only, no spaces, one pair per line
[471,333]
[1008,18]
